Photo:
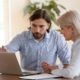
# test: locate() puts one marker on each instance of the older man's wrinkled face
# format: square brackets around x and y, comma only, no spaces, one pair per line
[39,28]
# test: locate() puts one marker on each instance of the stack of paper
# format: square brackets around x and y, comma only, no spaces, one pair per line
[39,76]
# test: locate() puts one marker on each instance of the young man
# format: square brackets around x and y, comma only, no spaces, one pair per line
[40,46]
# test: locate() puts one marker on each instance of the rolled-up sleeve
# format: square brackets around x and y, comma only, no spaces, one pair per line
[14,45]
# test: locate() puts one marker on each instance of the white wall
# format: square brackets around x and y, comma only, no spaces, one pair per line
[70,4]
[13,19]
[18,22]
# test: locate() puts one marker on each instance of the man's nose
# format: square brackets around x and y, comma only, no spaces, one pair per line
[37,29]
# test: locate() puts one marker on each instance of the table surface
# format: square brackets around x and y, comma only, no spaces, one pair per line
[13,77]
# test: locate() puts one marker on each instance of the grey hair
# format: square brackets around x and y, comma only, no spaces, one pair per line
[69,18]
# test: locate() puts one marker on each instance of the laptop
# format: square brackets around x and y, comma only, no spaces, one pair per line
[9,65]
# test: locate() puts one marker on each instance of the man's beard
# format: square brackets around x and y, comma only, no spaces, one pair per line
[38,35]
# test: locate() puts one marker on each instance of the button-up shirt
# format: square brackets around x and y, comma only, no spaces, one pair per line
[33,52]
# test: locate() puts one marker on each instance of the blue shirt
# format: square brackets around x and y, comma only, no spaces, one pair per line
[33,52]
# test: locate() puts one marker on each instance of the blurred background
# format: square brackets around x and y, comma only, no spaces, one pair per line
[13,21]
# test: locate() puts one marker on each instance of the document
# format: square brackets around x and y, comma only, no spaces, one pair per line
[39,76]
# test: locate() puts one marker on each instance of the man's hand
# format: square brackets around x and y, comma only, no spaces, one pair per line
[2,49]
[48,68]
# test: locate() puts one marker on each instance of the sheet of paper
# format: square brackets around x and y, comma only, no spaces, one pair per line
[38,76]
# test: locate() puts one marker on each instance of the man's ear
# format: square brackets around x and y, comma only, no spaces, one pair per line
[72,29]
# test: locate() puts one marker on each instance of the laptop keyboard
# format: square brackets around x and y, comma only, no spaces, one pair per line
[30,73]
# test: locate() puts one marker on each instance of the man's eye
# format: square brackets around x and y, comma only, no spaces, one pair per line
[34,26]
[41,26]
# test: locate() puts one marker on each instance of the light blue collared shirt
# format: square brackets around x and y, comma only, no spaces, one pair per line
[33,53]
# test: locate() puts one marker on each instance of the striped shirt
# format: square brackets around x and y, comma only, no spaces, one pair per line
[33,52]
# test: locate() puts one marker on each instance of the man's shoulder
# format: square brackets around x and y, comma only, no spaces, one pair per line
[23,35]
[55,33]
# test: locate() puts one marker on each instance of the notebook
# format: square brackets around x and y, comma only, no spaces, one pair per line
[9,65]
